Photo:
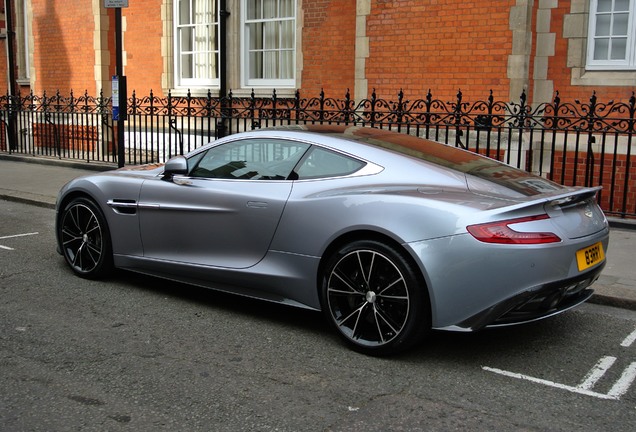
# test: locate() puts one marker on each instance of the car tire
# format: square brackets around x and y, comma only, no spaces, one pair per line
[85,239]
[375,298]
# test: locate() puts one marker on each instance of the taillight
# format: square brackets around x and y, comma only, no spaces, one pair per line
[500,232]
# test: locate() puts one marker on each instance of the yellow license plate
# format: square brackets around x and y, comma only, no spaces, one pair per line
[590,256]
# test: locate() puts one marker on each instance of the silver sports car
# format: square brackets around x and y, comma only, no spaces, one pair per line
[388,234]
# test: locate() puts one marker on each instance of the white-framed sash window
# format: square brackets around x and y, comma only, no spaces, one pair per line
[196,43]
[612,35]
[268,43]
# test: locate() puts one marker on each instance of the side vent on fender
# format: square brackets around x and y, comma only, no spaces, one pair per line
[123,206]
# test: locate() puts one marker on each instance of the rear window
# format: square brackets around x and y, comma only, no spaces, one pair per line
[321,163]
[457,159]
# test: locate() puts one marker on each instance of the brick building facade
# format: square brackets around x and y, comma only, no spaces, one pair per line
[355,47]
[506,46]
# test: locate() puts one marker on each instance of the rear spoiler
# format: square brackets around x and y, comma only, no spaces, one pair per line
[572,199]
[563,200]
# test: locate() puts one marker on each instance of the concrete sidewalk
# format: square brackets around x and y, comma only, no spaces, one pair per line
[36,181]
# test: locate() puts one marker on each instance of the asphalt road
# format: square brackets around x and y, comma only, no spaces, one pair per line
[135,353]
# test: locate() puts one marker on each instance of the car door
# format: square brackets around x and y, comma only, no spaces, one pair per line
[226,211]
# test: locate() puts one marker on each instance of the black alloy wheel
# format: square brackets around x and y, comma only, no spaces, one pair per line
[85,239]
[373,296]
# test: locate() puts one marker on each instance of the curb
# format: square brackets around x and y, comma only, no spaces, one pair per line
[51,160]
[37,202]
[628,224]
[608,300]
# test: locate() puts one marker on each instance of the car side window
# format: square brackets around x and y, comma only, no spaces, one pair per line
[322,163]
[253,159]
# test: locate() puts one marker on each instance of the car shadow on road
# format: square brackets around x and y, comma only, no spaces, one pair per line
[209,298]
[512,342]
[515,342]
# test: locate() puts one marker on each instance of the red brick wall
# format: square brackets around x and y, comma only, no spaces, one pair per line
[63,46]
[328,47]
[142,43]
[560,73]
[610,169]
[3,137]
[533,52]
[3,67]
[64,59]
[3,51]
[440,45]
[557,69]
[71,137]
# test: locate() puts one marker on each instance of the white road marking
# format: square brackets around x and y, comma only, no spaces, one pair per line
[629,340]
[19,235]
[550,383]
[14,236]
[597,372]
[619,388]
[624,382]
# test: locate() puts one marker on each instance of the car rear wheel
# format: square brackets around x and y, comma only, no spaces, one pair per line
[373,297]
[85,239]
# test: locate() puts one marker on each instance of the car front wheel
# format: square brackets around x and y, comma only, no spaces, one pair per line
[373,297]
[85,239]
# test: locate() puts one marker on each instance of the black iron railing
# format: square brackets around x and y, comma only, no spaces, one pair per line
[573,143]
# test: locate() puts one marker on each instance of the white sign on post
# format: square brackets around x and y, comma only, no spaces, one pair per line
[115,97]
[115,3]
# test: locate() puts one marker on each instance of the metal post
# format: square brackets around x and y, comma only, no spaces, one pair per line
[122,89]
[12,120]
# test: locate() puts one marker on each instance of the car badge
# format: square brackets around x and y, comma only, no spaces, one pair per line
[588,213]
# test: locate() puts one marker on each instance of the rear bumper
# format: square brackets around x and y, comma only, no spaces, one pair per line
[538,303]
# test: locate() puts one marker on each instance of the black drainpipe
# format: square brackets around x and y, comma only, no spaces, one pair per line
[221,127]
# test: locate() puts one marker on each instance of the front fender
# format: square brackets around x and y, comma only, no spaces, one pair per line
[104,190]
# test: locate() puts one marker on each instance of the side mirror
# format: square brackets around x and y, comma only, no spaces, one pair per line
[176,165]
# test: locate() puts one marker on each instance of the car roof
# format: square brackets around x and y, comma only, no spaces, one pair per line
[438,154]
[395,142]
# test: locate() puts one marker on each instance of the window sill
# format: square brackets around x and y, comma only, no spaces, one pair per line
[618,78]
[194,92]
[285,93]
